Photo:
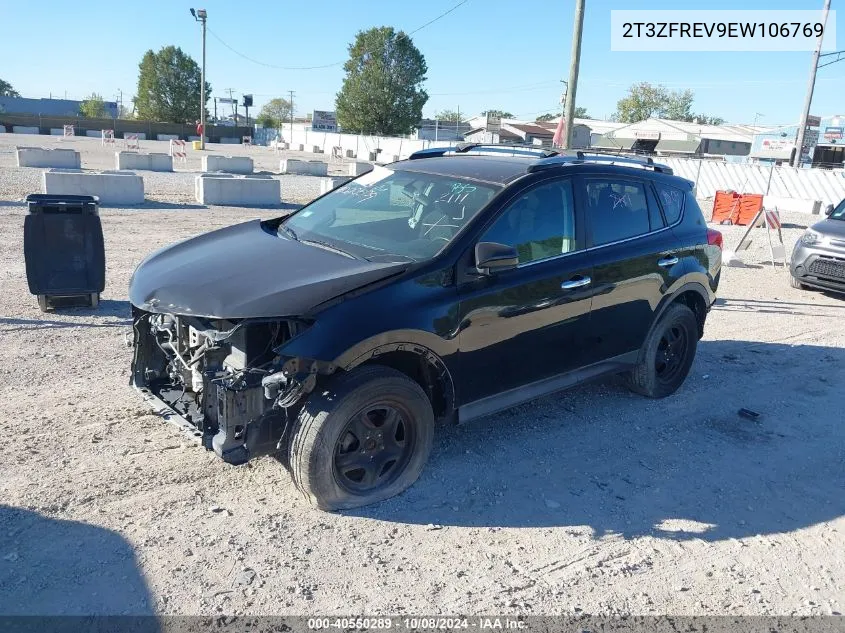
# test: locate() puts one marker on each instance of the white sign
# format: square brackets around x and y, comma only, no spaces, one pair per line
[323,121]
[647,135]
[494,124]
[226,100]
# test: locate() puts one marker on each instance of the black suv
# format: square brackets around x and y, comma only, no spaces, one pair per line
[448,286]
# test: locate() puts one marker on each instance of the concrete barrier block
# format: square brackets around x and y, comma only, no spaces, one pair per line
[194,138]
[228,164]
[230,140]
[797,205]
[94,133]
[26,129]
[300,147]
[357,168]
[372,157]
[329,184]
[57,131]
[316,149]
[238,191]
[167,137]
[350,153]
[111,187]
[303,167]
[149,162]
[40,157]
[200,176]
[142,136]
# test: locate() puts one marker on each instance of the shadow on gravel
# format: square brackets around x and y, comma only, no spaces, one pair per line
[772,307]
[685,467]
[56,567]
[106,308]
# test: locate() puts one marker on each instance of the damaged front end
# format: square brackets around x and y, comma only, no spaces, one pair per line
[222,381]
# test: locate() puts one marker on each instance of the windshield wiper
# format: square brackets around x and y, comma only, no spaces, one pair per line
[329,247]
[289,231]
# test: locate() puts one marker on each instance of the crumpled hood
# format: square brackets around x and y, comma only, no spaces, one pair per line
[244,271]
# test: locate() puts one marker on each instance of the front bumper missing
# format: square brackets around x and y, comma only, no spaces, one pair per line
[237,419]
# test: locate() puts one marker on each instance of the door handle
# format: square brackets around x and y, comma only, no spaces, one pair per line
[667,261]
[579,282]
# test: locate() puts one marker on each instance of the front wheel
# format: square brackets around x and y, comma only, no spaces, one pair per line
[796,284]
[667,355]
[363,437]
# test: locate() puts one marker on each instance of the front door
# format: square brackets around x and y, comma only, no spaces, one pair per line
[526,324]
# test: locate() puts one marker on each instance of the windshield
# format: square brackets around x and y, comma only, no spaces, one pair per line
[839,212]
[389,215]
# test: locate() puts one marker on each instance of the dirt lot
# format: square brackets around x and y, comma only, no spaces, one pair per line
[594,501]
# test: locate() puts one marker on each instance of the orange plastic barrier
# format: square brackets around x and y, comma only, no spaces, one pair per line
[725,207]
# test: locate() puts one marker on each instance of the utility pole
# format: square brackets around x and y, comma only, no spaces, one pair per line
[574,63]
[291,117]
[458,123]
[808,100]
[201,15]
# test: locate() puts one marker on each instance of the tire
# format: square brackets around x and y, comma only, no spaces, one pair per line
[655,376]
[796,284]
[94,299]
[42,303]
[350,414]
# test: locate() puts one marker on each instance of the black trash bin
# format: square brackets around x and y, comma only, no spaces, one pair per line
[64,251]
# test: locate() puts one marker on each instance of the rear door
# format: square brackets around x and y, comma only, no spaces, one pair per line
[635,261]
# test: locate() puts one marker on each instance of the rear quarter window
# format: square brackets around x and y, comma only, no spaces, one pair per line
[672,201]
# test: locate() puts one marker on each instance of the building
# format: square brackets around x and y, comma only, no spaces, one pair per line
[680,138]
[49,107]
[481,135]
[824,145]
[434,130]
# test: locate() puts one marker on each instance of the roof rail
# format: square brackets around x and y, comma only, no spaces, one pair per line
[581,157]
[497,148]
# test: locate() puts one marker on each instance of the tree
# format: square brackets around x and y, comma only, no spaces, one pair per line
[382,92]
[169,87]
[93,107]
[274,113]
[580,113]
[449,116]
[645,101]
[6,90]
[502,114]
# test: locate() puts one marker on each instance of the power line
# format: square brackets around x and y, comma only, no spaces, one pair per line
[333,64]
[442,15]
[534,86]
[266,65]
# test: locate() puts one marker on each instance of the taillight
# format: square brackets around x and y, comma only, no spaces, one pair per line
[714,238]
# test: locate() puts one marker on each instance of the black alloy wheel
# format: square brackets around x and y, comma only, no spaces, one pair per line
[374,447]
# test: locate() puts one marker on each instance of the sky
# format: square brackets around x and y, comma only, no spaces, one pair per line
[485,54]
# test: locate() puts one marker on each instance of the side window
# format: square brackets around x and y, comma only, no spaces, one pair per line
[618,210]
[539,224]
[672,201]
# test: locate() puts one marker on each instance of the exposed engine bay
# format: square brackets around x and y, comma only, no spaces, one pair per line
[222,379]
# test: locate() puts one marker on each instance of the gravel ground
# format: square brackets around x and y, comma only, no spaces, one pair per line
[594,501]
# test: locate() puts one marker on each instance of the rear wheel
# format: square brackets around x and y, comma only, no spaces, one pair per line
[667,355]
[43,304]
[362,438]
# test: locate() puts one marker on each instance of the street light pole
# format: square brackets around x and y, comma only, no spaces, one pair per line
[201,15]
[808,100]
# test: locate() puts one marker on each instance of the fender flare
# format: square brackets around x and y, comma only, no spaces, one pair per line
[347,362]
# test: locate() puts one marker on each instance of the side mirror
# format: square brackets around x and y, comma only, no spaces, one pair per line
[828,209]
[491,257]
